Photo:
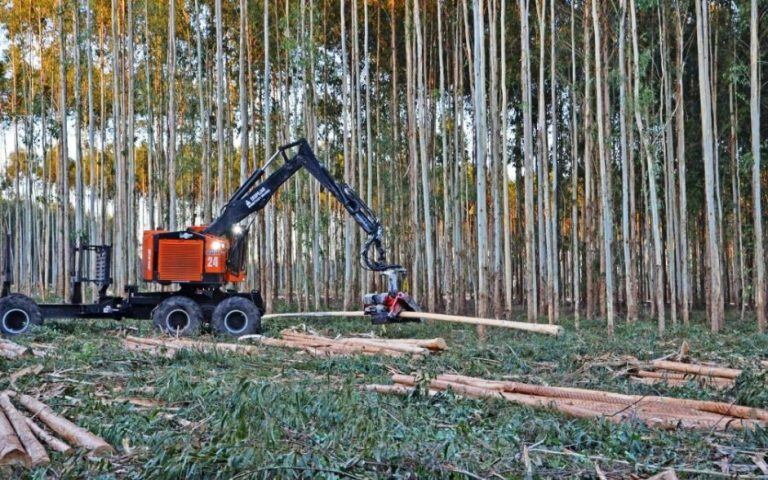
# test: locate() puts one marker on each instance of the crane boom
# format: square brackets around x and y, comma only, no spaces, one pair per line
[252,197]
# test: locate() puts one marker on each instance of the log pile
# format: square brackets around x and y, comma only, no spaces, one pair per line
[22,438]
[310,343]
[675,373]
[661,412]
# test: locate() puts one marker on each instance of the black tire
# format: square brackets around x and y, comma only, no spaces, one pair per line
[236,316]
[178,315]
[17,314]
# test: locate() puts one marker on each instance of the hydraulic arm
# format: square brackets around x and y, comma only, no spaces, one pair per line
[252,196]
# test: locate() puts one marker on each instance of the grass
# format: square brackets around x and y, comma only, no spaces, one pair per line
[280,414]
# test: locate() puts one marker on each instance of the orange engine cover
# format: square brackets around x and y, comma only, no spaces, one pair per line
[180,260]
[186,258]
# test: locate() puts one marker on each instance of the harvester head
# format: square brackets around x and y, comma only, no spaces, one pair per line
[386,307]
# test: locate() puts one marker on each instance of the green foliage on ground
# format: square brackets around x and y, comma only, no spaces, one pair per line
[280,414]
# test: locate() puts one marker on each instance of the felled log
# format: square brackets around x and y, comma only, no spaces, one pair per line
[430,343]
[176,343]
[490,322]
[370,344]
[11,350]
[35,450]
[676,379]
[323,346]
[11,450]
[72,433]
[664,412]
[703,370]
[599,395]
[151,349]
[53,442]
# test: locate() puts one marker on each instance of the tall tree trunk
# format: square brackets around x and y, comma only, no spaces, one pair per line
[63,173]
[220,176]
[604,173]
[243,91]
[652,200]
[575,258]
[757,198]
[705,96]
[203,116]
[479,107]
[422,115]
[530,247]
[683,201]
[629,273]
[172,114]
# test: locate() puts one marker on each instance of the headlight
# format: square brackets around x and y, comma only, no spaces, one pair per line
[237,230]
[217,245]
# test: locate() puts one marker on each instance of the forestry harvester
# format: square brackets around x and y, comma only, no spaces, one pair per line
[203,261]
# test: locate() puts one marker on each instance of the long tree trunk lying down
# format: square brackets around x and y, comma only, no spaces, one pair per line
[723,372]
[34,448]
[11,450]
[490,322]
[72,433]
[53,442]
[310,343]
[663,412]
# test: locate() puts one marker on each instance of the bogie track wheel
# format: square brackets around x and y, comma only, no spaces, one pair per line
[17,314]
[178,315]
[236,316]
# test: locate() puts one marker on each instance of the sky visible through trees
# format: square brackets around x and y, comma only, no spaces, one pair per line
[528,158]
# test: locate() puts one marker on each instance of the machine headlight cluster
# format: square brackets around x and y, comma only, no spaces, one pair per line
[217,245]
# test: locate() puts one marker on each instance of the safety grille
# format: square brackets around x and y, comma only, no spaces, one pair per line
[180,260]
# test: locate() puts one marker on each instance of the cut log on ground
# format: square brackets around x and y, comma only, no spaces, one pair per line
[676,373]
[50,440]
[654,411]
[320,345]
[72,433]
[11,450]
[489,322]
[35,450]
[157,344]
[11,350]
[696,369]
[310,343]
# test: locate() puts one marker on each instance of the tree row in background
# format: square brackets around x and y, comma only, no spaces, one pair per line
[596,159]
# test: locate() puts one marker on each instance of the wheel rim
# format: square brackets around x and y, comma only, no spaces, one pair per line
[15,320]
[235,321]
[177,320]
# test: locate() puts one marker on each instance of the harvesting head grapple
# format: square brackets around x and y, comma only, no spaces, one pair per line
[386,307]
